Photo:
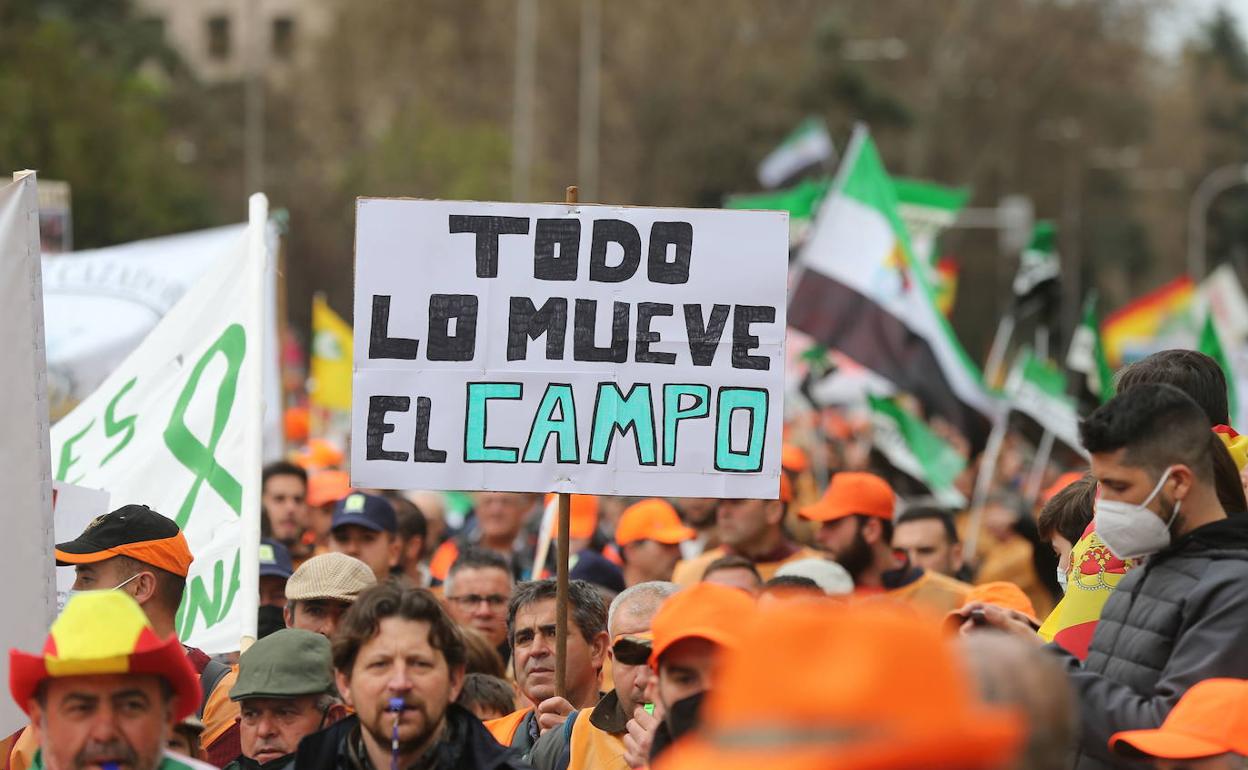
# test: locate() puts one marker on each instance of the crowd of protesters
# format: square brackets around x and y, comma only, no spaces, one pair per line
[846,624]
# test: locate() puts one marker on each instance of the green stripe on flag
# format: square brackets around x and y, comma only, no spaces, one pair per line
[801,200]
[918,192]
[1211,345]
[916,450]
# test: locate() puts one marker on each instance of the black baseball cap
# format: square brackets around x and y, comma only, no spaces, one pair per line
[135,531]
[365,510]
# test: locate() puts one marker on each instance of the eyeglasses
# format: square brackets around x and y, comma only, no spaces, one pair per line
[495,601]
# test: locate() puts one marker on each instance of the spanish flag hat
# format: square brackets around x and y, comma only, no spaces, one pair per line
[105,632]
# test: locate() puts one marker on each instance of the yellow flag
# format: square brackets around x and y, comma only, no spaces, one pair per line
[330,385]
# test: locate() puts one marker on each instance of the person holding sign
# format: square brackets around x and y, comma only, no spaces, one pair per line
[753,529]
[593,738]
[137,551]
[531,625]
[107,689]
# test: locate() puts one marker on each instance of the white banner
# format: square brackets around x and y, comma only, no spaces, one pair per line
[177,427]
[568,348]
[133,285]
[73,508]
[26,483]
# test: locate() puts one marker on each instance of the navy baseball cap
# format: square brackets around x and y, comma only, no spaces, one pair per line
[275,559]
[364,510]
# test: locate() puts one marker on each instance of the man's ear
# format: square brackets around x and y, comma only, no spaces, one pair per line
[344,687]
[412,549]
[955,553]
[598,650]
[775,512]
[336,713]
[872,530]
[396,550]
[288,614]
[1184,480]
[36,720]
[457,682]
[144,587]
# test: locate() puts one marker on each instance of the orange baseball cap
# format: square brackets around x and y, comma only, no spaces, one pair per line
[1000,593]
[652,519]
[704,610]
[325,487]
[319,453]
[865,687]
[1210,719]
[793,458]
[582,515]
[1063,481]
[852,493]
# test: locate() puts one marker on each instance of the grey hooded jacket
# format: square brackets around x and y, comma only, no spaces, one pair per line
[1180,618]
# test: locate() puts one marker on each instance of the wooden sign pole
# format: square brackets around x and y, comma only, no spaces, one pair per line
[561,564]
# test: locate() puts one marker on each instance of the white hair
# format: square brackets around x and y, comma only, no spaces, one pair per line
[652,594]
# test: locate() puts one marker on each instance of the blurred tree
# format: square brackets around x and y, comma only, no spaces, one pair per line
[87,89]
[1218,65]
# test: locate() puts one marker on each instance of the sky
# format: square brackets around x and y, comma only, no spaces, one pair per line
[1187,16]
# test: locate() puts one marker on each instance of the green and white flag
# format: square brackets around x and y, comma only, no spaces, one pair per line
[1211,345]
[1039,262]
[1038,390]
[177,427]
[808,147]
[912,448]
[801,201]
[860,292]
[927,208]
[1086,360]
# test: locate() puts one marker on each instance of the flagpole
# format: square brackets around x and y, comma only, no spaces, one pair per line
[1000,343]
[249,545]
[571,197]
[1035,478]
[983,479]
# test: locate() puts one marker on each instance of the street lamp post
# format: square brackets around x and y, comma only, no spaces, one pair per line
[1217,182]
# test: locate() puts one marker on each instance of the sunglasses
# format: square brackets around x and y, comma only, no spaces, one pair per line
[631,650]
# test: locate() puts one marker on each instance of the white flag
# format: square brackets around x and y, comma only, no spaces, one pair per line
[26,483]
[177,427]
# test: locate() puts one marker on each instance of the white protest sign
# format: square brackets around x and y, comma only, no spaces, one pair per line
[568,348]
[26,483]
[73,508]
[177,427]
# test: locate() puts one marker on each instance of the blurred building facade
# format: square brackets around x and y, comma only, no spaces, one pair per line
[223,40]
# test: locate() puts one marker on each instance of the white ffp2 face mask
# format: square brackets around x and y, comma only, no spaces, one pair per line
[1062,579]
[71,593]
[1130,530]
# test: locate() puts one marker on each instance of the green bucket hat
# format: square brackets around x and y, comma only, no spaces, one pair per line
[284,664]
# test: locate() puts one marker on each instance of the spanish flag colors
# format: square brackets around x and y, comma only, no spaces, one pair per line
[1095,573]
[105,632]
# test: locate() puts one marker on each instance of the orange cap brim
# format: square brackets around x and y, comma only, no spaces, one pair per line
[1164,744]
[673,535]
[822,512]
[170,554]
[716,635]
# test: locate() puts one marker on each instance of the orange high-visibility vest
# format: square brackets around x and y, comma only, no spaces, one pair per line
[504,728]
[594,749]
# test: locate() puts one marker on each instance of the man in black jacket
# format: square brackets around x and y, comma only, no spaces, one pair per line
[1182,616]
[399,662]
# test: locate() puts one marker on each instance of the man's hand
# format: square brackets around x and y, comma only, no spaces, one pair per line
[978,616]
[640,736]
[552,712]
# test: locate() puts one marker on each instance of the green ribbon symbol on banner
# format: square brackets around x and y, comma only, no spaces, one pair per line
[199,458]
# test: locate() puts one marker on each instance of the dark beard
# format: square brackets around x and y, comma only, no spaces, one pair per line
[858,557]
